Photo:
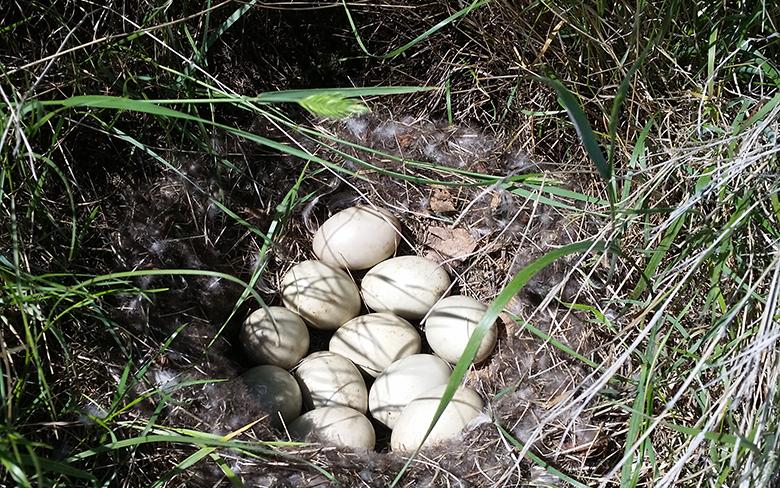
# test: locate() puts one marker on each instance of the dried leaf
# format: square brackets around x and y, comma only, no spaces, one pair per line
[450,243]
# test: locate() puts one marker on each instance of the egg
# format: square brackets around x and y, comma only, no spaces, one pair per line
[415,418]
[339,426]
[275,390]
[328,379]
[450,325]
[402,382]
[275,335]
[322,295]
[375,340]
[407,286]
[357,238]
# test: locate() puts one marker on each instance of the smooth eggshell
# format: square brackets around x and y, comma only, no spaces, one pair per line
[328,379]
[357,238]
[407,286]
[275,335]
[417,416]
[324,296]
[275,390]
[340,426]
[375,340]
[450,325]
[402,382]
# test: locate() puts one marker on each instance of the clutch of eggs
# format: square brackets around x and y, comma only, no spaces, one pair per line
[382,344]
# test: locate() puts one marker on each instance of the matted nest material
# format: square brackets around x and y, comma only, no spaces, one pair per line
[482,234]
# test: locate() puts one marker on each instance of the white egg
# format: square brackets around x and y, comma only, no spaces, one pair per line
[275,390]
[407,286]
[375,340]
[324,296]
[402,382]
[450,325]
[417,416]
[328,379]
[340,426]
[275,335]
[357,238]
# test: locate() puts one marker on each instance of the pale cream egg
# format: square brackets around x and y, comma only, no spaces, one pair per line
[275,335]
[357,238]
[450,325]
[324,296]
[328,379]
[375,340]
[407,286]
[339,426]
[416,417]
[402,382]
[275,390]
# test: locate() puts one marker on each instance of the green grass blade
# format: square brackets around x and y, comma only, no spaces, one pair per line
[113,278]
[425,35]
[658,255]
[617,104]
[197,456]
[581,124]
[48,465]
[282,214]
[281,96]
[719,437]
[13,467]
[760,114]
[235,480]
[642,408]
[174,439]
[226,24]
[118,103]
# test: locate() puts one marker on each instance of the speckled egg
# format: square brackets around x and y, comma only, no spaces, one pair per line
[275,390]
[357,238]
[375,340]
[450,325]
[324,296]
[417,416]
[339,426]
[275,335]
[402,382]
[328,379]
[407,286]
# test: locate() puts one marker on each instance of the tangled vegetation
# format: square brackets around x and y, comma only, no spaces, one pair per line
[612,169]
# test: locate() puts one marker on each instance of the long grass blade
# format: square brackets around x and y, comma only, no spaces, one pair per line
[425,35]
[581,124]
